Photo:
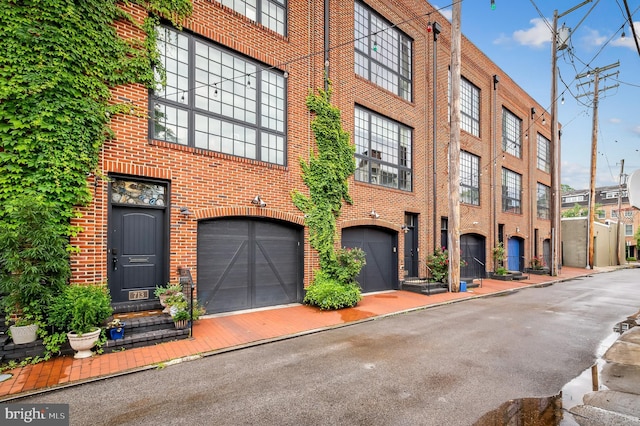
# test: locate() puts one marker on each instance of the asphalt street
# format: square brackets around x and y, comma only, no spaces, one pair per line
[444,365]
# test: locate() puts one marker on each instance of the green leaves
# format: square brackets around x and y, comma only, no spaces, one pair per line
[60,59]
[326,175]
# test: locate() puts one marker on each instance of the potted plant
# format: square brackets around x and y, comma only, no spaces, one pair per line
[537,266]
[162,293]
[181,318]
[79,311]
[438,264]
[498,253]
[115,329]
[502,274]
[25,323]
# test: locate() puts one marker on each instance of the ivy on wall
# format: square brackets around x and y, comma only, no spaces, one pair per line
[60,59]
[326,176]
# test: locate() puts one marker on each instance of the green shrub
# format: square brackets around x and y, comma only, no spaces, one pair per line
[501,270]
[631,259]
[328,293]
[34,261]
[348,264]
[80,308]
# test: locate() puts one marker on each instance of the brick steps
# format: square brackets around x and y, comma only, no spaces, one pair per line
[143,328]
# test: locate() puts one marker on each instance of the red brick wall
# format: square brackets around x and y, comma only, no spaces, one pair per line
[213,185]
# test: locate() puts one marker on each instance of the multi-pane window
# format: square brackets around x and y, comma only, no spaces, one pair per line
[383,151]
[469,107]
[469,178]
[601,214]
[628,213]
[219,101]
[628,230]
[614,214]
[270,13]
[544,151]
[511,191]
[543,201]
[511,133]
[383,54]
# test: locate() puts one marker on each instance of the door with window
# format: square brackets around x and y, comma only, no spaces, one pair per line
[137,239]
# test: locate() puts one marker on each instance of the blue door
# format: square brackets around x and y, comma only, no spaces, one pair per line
[513,255]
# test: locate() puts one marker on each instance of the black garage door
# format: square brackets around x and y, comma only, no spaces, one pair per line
[473,253]
[248,263]
[381,271]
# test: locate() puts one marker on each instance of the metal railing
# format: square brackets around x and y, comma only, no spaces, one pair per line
[482,265]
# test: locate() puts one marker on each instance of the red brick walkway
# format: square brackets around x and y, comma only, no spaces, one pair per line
[226,332]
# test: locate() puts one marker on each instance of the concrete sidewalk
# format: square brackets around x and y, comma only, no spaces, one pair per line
[227,332]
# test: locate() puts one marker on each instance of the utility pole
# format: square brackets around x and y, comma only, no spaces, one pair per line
[618,239]
[454,153]
[555,142]
[594,145]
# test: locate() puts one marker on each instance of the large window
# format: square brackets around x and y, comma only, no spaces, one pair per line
[511,133]
[219,101]
[469,107]
[383,151]
[469,178]
[544,151]
[270,13]
[544,199]
[383,54]
[511,191]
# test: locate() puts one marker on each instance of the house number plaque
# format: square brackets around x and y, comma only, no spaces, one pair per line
[138,294]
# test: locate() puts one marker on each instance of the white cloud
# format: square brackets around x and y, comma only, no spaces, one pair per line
[538,35]
[615,120]
[447,12]
[636,130]
[627,41]
[502,39]
[592,38]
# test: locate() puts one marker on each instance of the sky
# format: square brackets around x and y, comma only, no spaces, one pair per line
[516,36]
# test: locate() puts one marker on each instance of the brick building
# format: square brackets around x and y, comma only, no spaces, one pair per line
[204,181]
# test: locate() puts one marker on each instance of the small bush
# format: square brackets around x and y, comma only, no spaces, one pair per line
[501,271]
[327,293]
[631,259]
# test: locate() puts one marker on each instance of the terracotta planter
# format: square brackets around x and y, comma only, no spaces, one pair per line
[82,344]
[24,333]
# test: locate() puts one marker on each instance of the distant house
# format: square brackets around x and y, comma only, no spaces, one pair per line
[612,207]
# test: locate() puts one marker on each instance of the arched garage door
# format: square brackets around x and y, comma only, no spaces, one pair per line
[472,251]
[381,271]
[246,263]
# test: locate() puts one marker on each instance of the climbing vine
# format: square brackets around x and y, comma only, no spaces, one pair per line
[60,59]
[326,176]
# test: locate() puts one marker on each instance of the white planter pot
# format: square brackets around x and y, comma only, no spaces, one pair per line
[24,333]
[82,344]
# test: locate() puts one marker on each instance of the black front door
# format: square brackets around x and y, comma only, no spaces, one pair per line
[136,252]
[411,245]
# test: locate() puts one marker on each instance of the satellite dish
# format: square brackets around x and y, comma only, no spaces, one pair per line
[633,188]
